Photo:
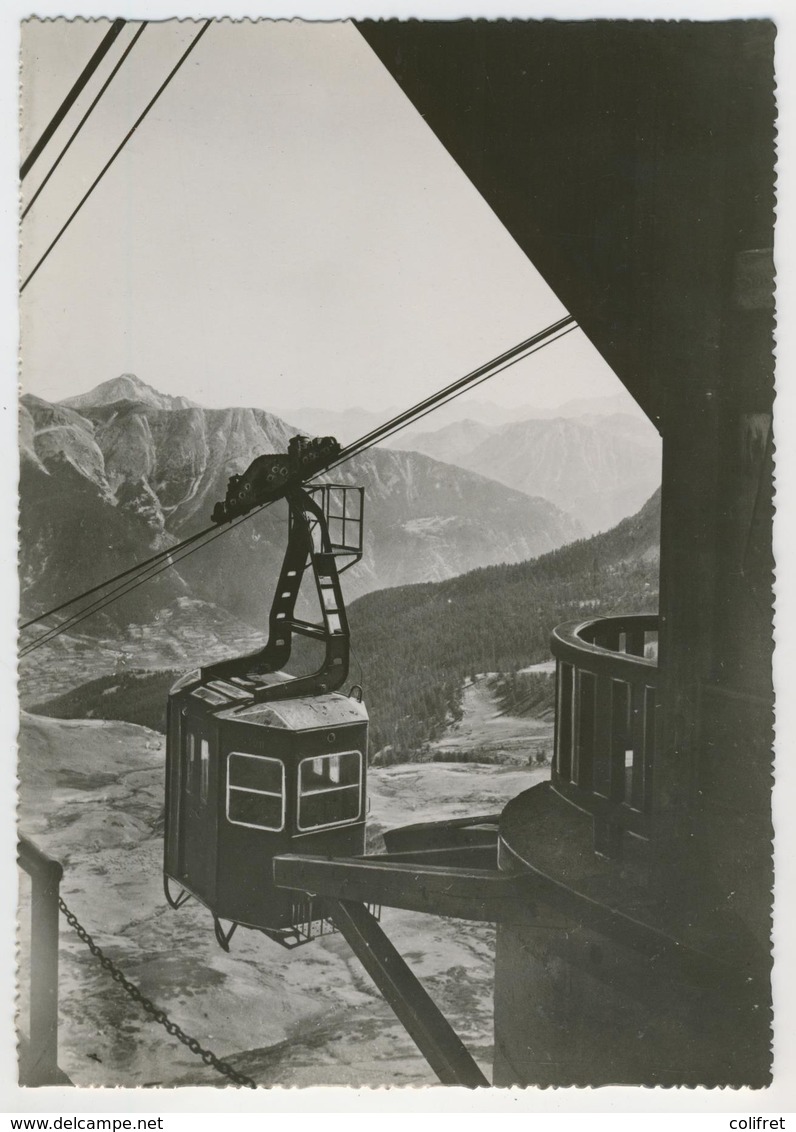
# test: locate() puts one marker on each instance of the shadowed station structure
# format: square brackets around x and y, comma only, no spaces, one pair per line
[633,162]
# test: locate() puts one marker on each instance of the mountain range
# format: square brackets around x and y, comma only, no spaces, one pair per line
[126,387]
[111,476]
[597,459]
[418,644]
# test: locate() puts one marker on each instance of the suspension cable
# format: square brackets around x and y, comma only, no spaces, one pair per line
[85,117]
[174,556]
[161,554]
[119,149]
[153,566]
[478,377]
[486,377]
[514,354]
[72,97]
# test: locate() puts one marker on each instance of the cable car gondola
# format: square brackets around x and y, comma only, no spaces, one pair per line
[258,762]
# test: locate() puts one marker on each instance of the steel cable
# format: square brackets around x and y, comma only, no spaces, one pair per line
[161,554]
[85,118]
[469,381]
[127,587]
[355,449]
[71,98]
[119,149]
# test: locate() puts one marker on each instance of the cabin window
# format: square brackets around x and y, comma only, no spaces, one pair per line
[189,756]
[255,791]
[204,763]
[330,790]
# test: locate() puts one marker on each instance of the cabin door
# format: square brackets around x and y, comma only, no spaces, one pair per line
[196,840]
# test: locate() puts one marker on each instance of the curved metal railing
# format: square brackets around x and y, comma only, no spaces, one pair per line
[606,698]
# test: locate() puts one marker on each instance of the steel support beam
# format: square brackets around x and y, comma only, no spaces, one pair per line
[481,857]
[422,1019]
[476,830]
[441,890]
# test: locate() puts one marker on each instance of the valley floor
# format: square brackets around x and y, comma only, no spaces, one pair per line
[485,731]
[187,629]
[91,796]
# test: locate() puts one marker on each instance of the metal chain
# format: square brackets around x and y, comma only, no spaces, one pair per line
[159,1016]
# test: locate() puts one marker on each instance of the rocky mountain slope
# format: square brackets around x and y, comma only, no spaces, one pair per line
[598,467]
[106,480]
[453,443]
[91,795]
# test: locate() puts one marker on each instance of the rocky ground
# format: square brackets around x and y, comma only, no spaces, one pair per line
[91,796]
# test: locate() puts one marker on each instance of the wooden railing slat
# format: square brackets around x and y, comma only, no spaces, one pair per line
[563,739]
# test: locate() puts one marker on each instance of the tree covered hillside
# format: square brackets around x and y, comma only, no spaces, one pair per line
[416,644]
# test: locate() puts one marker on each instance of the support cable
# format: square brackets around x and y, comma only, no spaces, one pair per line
[119,149]
[85,117]
[72,97]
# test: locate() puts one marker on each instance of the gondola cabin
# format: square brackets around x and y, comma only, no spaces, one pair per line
[249,781]
[260,763]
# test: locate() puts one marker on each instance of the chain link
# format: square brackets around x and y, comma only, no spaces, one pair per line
[157,1015]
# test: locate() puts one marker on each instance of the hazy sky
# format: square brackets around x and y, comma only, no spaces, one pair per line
[283,230]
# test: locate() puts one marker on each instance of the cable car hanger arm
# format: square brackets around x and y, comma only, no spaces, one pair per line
[333,630]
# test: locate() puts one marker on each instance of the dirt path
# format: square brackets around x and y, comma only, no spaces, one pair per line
[484,729]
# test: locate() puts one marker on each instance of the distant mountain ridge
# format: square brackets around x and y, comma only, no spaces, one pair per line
[599,467]
[351,423]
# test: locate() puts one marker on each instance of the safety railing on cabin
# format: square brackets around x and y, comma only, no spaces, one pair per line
[606,694]
[38,1049]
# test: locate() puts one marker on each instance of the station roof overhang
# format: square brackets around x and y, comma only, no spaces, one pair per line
[632,161]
